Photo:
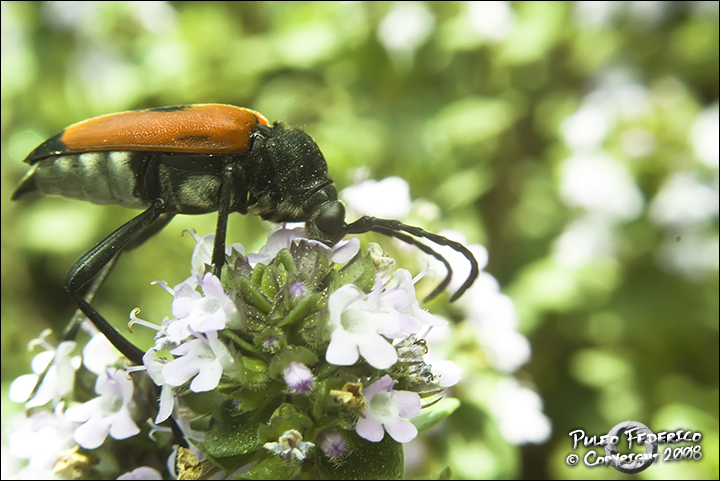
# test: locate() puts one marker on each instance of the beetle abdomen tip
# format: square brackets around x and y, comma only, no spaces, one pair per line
[28,186]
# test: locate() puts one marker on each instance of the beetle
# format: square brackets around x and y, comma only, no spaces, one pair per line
[197,159]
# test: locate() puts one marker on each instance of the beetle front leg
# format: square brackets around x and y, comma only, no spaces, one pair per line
[93,262]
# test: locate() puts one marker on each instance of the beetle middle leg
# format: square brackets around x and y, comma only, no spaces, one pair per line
[132,233]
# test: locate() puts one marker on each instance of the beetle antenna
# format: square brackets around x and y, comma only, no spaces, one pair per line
[426,249]
[395,229]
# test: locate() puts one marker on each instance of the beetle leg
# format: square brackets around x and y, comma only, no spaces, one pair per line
[229,184]
[383,226]
[70,331]
[92,263]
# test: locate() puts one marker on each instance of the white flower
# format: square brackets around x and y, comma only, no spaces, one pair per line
[290,445]
[298,377]
[41,438]
[518,411]
[359,325]
[194,312]
[202,254]
[403,299]
[203,359]
[389,409]
[154,366]
[58,381]
[141,473]
[602,185]
[99,354]
[388,198]
[109,413]
[282,238]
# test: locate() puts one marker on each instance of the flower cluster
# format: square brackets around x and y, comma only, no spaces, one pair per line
[298,346]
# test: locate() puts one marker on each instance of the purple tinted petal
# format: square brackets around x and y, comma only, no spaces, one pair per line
[402,431]
[346,251]
[385,383]
[410,324]
[370,429]
[408,403]
[211,286]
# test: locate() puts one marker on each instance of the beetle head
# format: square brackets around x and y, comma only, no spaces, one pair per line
[327,223]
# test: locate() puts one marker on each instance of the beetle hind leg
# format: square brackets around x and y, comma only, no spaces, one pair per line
[90,265]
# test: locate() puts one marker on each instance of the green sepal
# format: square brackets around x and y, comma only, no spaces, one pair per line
[284,258]
[257,274]
[253,295]
[236,266]
[359,271]
[307,305]
[433,415]
[285,418]
[273,278]
[365,460]
[312,265]
[272,467]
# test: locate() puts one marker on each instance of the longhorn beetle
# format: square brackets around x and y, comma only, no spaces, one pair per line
[195,159]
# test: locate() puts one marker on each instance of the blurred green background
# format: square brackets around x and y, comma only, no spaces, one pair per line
[578,142]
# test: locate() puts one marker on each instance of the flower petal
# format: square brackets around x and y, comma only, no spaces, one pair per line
[408,403]
[92,434]
[123,426]
[342,350]
[402,430]
[378,352]
[370,429]
[208,377]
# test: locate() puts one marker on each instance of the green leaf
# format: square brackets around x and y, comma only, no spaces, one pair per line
[231,434]
[431,416]
[284,418]
[272,467]
[365,460]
